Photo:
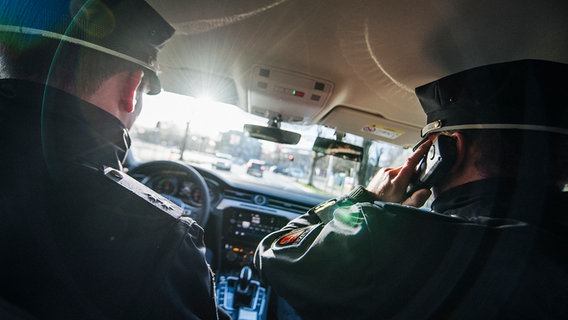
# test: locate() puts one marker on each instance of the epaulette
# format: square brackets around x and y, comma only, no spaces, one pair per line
[141,191]
[325,210]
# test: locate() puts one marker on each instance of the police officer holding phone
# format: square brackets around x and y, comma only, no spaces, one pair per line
[494,154]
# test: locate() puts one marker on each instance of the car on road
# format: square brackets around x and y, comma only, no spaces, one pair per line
[223,161]
[256,167]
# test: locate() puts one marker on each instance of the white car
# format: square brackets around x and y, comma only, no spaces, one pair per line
[223,161]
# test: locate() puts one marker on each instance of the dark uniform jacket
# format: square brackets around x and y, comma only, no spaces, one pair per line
[357,258]
[78,238]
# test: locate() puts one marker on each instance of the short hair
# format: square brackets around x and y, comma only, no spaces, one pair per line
[514,152]
[66,66]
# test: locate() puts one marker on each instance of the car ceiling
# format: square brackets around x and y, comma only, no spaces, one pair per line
[367,55]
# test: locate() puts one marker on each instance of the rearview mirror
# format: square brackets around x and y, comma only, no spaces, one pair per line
[271,134]
[338,148]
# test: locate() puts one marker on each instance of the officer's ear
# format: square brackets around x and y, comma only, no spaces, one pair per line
[131,81]
[461,147]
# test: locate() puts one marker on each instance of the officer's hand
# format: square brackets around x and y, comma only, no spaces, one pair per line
[390,184]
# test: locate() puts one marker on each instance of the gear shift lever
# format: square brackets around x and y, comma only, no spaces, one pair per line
[242,296]
[244,279]
[243,289]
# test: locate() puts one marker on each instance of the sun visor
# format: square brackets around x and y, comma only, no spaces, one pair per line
[198,84]
[371,126]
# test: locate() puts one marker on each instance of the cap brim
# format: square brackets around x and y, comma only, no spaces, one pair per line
[154,84]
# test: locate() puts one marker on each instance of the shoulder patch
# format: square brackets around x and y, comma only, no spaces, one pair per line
[292,239]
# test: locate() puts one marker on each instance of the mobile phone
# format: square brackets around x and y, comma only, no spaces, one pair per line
[435,164]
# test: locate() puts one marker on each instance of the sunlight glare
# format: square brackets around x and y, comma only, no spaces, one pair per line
[204,115]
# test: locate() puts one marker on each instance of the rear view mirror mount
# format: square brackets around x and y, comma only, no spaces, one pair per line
[273,134]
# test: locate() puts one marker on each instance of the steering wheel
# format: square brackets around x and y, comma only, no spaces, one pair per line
[149,169]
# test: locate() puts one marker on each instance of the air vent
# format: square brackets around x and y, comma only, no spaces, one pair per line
[266,201]
[237,195]
[287,206]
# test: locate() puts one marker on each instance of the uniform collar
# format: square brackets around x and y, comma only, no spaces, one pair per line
[478,198]
[503,198]
[72,129]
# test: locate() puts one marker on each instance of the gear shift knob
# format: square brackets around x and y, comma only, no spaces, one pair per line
[243,289]
[245,277]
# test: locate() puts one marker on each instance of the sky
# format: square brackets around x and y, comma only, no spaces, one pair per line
[204,115]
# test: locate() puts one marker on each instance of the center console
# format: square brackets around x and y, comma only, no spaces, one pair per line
[242,299]
[239,289]
[242,231]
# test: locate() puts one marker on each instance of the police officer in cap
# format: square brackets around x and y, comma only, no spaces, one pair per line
[79,238]
[492,246]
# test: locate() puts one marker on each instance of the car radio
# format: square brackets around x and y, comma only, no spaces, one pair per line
[243,230]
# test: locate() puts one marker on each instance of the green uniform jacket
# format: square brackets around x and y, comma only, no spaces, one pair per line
[355,258]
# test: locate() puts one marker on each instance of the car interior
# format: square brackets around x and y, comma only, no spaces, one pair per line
[320,91]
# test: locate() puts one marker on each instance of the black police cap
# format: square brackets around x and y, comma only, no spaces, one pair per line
[523,94]
[128,29]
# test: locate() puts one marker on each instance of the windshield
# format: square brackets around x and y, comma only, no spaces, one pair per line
[198,131]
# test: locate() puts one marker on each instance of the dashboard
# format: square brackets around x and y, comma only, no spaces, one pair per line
[183,187]
[241,213]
